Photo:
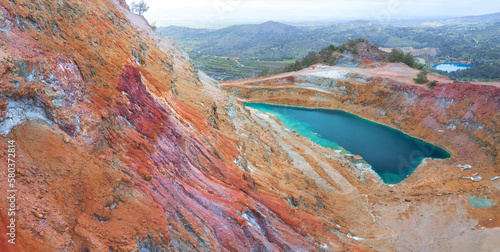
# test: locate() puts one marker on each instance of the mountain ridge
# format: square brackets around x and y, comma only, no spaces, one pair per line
[491,17]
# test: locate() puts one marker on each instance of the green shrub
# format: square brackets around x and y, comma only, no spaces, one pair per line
[398,56]
[421,77]
[432,84]
[264,72]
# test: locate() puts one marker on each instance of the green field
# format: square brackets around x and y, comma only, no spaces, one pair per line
[226,68]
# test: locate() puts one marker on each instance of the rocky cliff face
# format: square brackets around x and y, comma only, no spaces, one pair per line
[121,145]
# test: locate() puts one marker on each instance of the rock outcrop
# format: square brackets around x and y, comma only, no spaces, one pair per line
[122,145]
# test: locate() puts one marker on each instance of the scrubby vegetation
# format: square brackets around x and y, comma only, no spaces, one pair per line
[422,77]
[398,56]
[360,48]
[153,26]
[432,84]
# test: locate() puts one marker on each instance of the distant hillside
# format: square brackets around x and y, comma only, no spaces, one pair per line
[181,33]
[274,29]
[242,51]
[488,18]
[272,40]
[264,40]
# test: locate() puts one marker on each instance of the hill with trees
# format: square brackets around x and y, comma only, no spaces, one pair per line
[349,53]
[264,41]
[270,45]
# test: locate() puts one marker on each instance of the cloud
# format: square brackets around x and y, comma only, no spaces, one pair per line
[261,10]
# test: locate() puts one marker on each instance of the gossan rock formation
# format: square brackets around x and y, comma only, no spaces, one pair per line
[122,145]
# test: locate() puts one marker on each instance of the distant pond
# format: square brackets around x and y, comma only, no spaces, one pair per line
[451,67]
[392,154]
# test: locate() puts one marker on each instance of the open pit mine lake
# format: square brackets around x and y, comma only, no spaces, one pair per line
[392,154]
[451,67]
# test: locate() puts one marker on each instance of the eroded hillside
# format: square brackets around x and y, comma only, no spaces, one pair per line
[121,145]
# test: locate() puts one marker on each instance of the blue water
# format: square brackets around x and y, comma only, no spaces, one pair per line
[451,67]
[480,202]
[391,153]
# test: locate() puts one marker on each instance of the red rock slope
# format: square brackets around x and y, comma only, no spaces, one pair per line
[122,145]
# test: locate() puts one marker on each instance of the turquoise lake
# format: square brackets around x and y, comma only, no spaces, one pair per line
[392,154]
[451,67]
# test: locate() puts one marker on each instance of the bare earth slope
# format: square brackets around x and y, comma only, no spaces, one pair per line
[122,145]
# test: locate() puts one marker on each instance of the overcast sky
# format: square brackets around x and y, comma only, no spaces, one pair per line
[304,10]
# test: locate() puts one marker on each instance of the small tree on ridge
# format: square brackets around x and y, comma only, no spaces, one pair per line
[421,77]
[140,7]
